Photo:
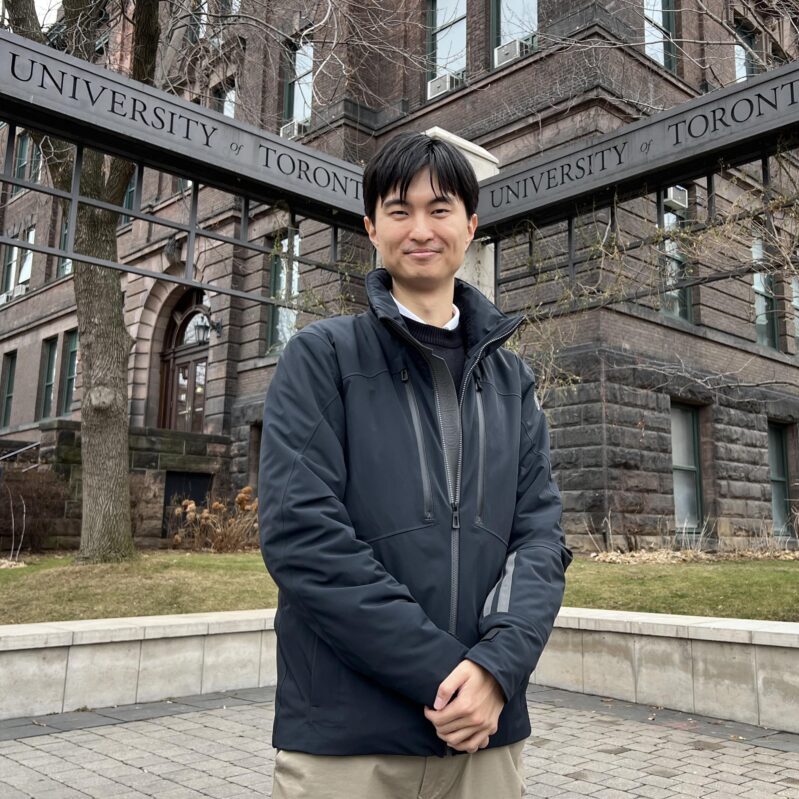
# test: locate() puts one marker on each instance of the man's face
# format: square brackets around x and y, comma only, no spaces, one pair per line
[422,241]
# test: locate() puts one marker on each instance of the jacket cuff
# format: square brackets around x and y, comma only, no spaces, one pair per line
[483,655]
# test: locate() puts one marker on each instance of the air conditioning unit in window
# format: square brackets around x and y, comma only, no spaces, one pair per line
[676,198]
[293,129]
[507,52]
[5,297]
[19,290]
[443,84]
[518,48]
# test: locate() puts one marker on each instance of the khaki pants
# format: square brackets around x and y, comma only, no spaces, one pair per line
[495,773]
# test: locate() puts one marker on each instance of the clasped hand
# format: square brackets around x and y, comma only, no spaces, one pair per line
[466,722]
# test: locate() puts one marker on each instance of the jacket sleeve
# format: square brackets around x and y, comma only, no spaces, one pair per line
[520,610]
[309,546]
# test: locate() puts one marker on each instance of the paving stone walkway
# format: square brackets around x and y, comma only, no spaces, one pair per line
[218,746]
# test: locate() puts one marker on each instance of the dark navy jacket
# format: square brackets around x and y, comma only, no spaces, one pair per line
[406,530]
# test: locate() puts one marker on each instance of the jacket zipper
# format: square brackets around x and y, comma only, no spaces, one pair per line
[453,609]
[481,446]
[454,493]
[428,498]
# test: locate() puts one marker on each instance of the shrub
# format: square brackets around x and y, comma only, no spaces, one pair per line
[221,526]
[32,504]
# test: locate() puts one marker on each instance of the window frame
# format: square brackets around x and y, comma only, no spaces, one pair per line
[764,291]
[436,70]
[696,469]
[7,393]
[282,256]
[292,78]
[9,276]
[780,431]
[25,257]
[221,101]
[64,263]
[69,372]
[745,43]
[29,167]
[665,29]
[496,24]
[47,378]
[683,294]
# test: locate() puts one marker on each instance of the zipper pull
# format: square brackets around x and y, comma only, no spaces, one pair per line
[456,516]
[404,375]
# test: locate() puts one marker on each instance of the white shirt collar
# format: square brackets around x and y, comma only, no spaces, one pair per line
[451,325]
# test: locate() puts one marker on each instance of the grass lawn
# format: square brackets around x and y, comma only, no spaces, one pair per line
[50,588]
[53,589]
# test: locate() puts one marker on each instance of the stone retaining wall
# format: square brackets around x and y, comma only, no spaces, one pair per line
[735,669]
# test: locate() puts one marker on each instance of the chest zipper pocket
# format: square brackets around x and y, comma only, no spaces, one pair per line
[417,427]
[481,447]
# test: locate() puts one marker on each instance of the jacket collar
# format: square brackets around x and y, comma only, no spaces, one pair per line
[482,321]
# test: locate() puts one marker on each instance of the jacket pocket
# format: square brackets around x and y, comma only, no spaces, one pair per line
[325,678]
[417,427]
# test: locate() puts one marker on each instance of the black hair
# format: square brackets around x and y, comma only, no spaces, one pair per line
[398,162]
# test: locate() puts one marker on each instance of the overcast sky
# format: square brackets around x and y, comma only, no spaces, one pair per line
[47,10]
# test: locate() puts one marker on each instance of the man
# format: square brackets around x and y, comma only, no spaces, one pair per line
[408,516]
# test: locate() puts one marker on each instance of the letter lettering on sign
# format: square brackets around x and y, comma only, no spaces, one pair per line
[320,170]
[59,84]
[208,133]
[14,71]
[676,126]
[140,111]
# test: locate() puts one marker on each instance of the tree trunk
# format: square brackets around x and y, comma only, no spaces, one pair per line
[105,346]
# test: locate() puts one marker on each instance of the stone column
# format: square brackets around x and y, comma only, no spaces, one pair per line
[478,266]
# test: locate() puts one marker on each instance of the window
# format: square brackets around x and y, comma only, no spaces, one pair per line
[70,371]
[685,467]
[185,364]
[514,19]
[745,58]
[9,368]
[27,162]
[765,302]
[795,303]
[778,466]
[47,378]
[26,257]
[64,266]
[659,32]
[676,300]
[127,201]
[284,285]
[223,98]
[197,21]
[10,255]
[447,42]
[298,94]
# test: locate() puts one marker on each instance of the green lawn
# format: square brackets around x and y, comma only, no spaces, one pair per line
[52,588]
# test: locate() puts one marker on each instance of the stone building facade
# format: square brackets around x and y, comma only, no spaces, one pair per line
[672,416]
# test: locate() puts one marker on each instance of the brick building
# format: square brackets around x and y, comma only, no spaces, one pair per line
[673,412]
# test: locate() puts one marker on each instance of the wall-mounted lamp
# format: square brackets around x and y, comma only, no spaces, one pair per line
[204,326]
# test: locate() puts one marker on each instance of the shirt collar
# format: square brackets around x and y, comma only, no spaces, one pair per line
[451,325]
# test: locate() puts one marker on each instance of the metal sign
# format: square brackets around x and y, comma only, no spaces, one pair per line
[81,102]
[737,123]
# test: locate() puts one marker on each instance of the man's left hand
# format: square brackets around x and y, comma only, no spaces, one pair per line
[468,720]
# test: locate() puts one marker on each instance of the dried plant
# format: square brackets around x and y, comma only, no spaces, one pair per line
[219,526]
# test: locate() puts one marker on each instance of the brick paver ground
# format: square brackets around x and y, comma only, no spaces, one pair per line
[218,746]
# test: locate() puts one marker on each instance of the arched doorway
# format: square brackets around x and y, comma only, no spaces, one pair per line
[184,364]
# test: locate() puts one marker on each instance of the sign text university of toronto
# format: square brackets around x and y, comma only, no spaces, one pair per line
[650,145]
[98,96]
